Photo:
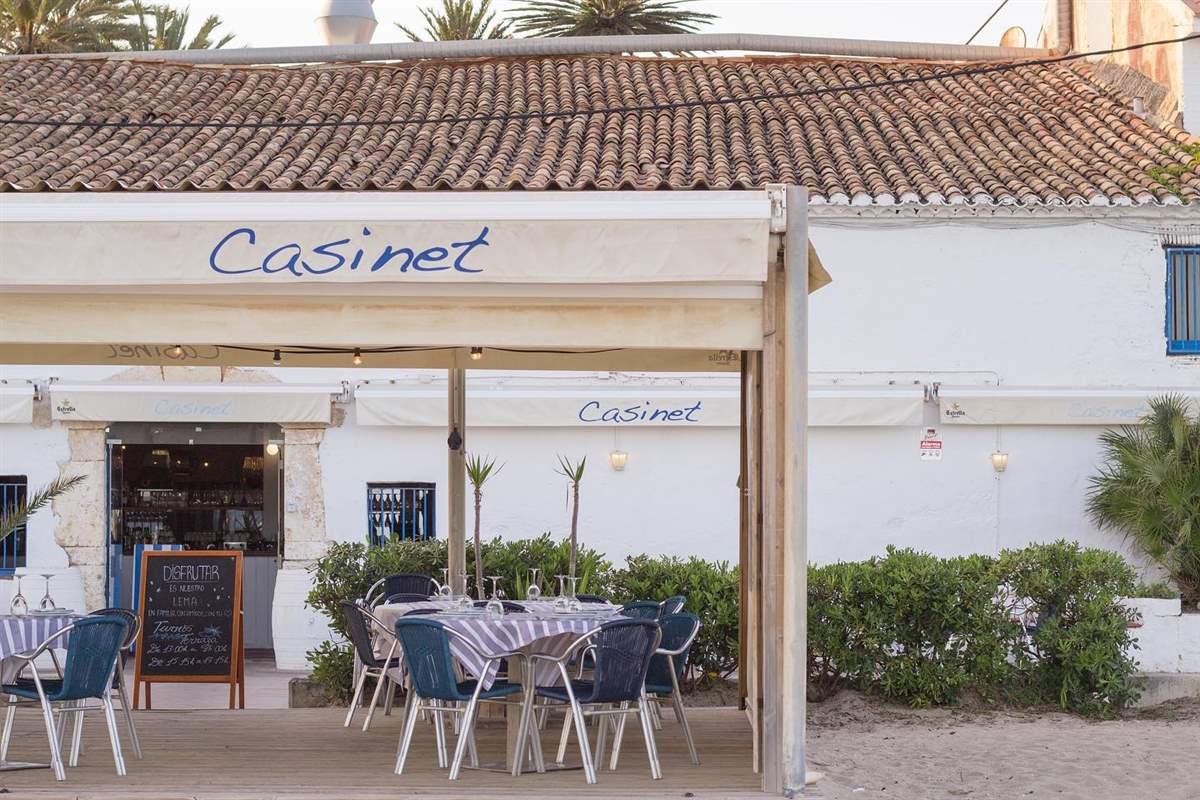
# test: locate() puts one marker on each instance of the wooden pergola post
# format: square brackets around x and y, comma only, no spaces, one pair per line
[783,579]
[456,482]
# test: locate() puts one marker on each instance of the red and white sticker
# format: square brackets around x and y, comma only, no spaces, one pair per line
[931,445]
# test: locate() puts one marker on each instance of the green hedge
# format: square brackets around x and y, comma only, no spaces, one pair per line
[922,630]
[908,626]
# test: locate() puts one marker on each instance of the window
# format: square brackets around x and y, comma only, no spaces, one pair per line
[400,511]
[13,491]
[1183,300]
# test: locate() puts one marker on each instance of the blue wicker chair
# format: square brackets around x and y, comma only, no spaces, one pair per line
[385,670]
[435,688]
[134,624]
[400,583]
[87,674]
[641,609]
[404,597]
[666,670]
[672,605]
[622,651]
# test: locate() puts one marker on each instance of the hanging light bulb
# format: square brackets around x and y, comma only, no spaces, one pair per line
[276,359]
[476,353]
[357,357]
[177,350]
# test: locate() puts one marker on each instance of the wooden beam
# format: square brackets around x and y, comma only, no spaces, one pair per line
[794,367]
[456,482]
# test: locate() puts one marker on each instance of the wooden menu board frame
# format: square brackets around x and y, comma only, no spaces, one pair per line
[237,657]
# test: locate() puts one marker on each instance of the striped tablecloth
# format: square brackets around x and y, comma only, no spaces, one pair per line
[22,634]
[540,630]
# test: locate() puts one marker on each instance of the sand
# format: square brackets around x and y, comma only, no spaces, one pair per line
[868,749]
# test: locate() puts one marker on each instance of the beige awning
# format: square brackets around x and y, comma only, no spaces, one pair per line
[192,402]
[16,404]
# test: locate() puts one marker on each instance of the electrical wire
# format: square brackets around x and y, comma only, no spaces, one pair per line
[991,17]
[592,112]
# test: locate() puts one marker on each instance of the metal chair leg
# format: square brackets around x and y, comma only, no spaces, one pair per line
[9,716]
[466,730]
[410,723]
[648,733]
[527,728]
[379,682]
[56,762]
[617,737]
[601,740]
[683,723]
[439,727]
[390,699]
[354,701]
[568,719]
[110,717]
[76,736]
[123,698]
[585,751]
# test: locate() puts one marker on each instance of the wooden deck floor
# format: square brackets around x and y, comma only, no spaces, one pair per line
[306,753]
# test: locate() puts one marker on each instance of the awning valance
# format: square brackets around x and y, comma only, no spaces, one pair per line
[16,404]
[185,402]
[1034,406]
[628,406]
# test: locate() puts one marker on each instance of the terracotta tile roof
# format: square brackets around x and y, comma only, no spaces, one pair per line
[1035,135]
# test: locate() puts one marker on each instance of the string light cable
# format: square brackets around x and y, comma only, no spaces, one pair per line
[524,116]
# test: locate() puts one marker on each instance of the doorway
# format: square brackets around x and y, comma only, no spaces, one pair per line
[198,487]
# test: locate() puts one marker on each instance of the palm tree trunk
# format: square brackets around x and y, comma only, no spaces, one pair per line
[574,527]
[478,548]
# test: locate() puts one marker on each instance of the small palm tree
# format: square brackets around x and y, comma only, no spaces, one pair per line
[573,472]
[607,17]
[169,30]
[17,517]
[459,20]
[1149,489]
[63,26]
[479,469]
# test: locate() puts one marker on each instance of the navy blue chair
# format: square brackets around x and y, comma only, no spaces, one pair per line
[590,598]
[404,597]
[672,605]
[87,674]
[436,688]
[400,583]
[134,624]
[622,651]
[363,628]
[641,609]
[666,671]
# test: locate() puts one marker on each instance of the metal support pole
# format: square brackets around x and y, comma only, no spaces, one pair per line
[457,480]
[794,365]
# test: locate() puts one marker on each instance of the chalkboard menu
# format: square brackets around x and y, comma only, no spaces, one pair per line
[190,607]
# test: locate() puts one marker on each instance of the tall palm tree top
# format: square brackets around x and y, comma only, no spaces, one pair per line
[169,31]
[607,17]
[63,26]
[458,20]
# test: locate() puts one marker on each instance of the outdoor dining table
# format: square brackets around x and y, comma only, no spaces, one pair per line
[20,635]
[541,628]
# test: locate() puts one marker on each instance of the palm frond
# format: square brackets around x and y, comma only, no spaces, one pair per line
[607,17]
[480,469]
[571,470]
[458,20]
[19,516]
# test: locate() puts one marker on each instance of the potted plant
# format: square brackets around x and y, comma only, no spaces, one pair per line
[479,469]
[573,472]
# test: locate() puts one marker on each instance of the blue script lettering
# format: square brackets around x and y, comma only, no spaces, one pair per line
[593,411]
[291,256]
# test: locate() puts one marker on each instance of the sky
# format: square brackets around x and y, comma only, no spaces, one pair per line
[275,23]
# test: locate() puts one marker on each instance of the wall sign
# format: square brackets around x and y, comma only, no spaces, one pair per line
[931,445]
[191,611]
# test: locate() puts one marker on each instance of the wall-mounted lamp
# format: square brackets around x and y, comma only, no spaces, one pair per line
[476,353]
[999,461]
[272,449]
[618,459]
[357,357]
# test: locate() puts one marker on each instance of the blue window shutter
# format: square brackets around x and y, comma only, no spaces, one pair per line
[1183,301]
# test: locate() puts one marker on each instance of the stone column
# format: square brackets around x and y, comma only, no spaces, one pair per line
[304,537]
[82,520]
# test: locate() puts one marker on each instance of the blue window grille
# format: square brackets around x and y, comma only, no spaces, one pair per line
[401,511]
[1183,300]
[13,491]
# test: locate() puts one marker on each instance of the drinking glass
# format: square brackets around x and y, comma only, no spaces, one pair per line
[495,606]
[19,606]
[444,590]
[534,592]
[562,592]
[47,603]
[465,603]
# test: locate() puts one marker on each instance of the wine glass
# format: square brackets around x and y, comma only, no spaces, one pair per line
[495,606]
[573,602]
[47,603]
[19,606]
[562,592]
[444,590]
[534,592]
